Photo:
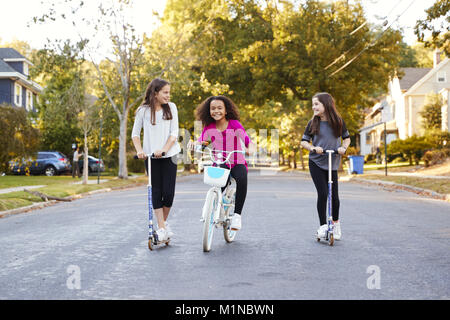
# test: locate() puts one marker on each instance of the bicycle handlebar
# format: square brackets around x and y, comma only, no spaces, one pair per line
[227,159]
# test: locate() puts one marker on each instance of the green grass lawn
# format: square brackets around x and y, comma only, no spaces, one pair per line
[60,186]
[18,181]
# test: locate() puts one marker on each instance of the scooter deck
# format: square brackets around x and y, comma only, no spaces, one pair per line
[152,244]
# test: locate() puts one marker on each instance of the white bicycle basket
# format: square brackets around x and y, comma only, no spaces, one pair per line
[215,176]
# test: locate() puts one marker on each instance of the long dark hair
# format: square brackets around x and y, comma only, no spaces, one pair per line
[203,110]
[149,100]
[333,116]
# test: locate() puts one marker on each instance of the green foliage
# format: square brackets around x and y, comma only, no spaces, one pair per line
[431,112]
[440,36]
[19,138]
[412,148]
[60,70]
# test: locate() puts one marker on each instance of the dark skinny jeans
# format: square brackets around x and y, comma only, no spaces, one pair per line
[320,179]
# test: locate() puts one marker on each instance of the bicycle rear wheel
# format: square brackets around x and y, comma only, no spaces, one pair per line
[229,234]
[208,224]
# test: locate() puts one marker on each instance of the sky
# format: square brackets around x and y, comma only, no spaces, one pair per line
[18,15]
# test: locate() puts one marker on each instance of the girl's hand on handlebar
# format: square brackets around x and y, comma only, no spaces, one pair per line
[318,150]
[158,153]
[141,155]
[341,150]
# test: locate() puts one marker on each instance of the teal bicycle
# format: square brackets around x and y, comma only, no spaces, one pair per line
[218,209]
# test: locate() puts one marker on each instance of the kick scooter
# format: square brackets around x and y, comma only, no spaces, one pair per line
[329,234]
[153,240]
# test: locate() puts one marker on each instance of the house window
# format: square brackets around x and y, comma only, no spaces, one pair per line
[25,68]
[441,77]
[368,138]
[29,100]
[18,94]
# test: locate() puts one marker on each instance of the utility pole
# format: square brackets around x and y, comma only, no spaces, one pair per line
[385,149]
[100,147]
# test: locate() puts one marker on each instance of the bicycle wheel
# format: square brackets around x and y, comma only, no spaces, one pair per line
[229,234]
[208,224]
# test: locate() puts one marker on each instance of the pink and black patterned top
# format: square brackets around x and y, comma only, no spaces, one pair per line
[234,137]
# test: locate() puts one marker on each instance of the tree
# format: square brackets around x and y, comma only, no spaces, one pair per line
[19,138]
[431,112]
[436,22]
[117,73]
[59,67]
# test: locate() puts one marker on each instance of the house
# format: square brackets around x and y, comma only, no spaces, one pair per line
[398,112]
[16,87]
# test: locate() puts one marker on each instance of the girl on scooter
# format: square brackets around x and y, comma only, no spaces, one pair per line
[221,126]
[159,117]
[324,132]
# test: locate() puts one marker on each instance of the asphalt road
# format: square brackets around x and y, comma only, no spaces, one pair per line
[395,245]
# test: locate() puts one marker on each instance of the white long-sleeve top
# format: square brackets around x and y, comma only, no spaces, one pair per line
[156,136]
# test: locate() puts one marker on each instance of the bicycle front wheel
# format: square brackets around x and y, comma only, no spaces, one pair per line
[208,224]
[229,234]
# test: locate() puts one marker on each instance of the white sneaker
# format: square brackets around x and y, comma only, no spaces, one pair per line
[322,231]
[162,234]
[337,231]
[236,222]
[169,230]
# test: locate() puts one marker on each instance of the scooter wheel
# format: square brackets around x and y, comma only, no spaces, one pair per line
[150,245]
[331,240]
[318,239]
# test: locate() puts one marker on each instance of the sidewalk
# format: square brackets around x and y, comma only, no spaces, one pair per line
[407,174]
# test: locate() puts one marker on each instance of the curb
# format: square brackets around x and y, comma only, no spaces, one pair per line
[397,186]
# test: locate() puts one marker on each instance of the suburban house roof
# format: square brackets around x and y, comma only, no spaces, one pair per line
[10,54]
[4,67]
[427,76]
[6,71]
[412,75]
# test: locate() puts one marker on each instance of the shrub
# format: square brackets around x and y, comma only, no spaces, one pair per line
[18,137]
[412,148]
[435,157]
[135,165]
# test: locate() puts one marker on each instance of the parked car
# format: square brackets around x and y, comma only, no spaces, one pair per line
[49,163]
[94,164]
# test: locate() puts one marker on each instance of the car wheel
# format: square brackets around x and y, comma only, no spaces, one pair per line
[50,171]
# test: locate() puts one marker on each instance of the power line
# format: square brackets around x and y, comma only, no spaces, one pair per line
[373,43]
[342,56]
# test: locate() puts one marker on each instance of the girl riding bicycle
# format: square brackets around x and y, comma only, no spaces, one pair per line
[221,126]
[325,130]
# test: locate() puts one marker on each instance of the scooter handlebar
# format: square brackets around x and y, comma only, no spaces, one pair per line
[151,156]
[335,151]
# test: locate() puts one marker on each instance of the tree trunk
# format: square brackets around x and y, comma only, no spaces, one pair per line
[295,158]
[86,160]
[123,169]
[301,158]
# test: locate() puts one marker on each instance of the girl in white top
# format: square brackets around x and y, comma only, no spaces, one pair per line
[159,118]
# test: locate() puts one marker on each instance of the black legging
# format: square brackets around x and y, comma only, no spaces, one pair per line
[320,179]
[239,173]
[164,173]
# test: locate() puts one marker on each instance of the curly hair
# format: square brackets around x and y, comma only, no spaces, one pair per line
[203,112]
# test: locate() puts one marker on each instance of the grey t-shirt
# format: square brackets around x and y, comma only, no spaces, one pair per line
[327,141]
